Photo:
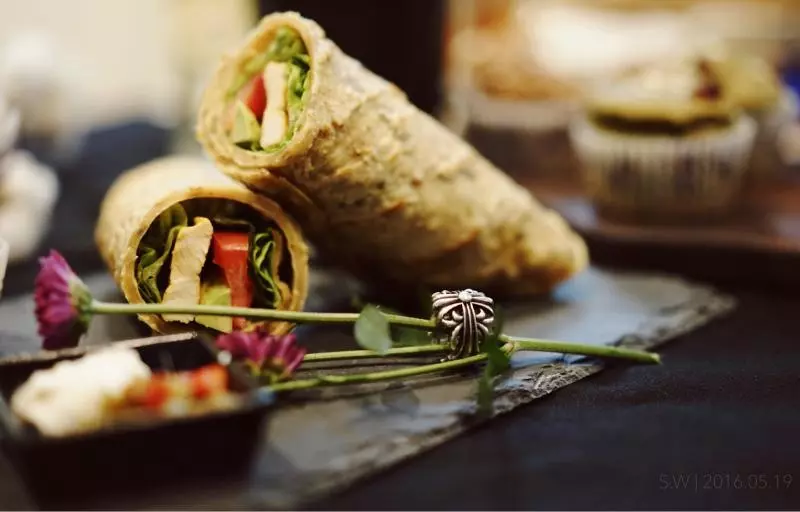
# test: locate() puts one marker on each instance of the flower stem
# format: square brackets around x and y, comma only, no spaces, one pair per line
[355,354]
[108,308]
[515,344]
[335,380]
[563,347]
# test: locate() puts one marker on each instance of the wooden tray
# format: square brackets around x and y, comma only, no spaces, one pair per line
[759,244]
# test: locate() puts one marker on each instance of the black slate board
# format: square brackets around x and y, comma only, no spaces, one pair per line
[314,445]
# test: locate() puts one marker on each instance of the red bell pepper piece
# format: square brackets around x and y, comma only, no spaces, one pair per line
[231,254]
[257,97]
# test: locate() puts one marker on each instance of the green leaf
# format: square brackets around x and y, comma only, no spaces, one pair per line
[401,336]
[302,60]
[487,382]
[155,248]
[251,69]
[499,322]
[372,330]
[498,361]
[287,46]
[297,83]
[485,393]
[262,253]
[408,337]
[386,310]
[157,244]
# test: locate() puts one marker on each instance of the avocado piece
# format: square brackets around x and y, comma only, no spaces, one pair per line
[246,128]
[215,293]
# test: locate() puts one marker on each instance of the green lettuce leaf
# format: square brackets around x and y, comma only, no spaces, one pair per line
[286,44]
[288,47]
[155,248]
[262,253]
[215,293]
[297,84]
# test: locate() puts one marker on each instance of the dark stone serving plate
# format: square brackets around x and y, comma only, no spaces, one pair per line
[63,470]
[323,440]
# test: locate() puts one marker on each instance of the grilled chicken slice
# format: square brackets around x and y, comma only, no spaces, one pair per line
[275,120]
[188,258]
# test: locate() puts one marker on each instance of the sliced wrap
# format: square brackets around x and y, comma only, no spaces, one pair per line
[178,231]
[388,190]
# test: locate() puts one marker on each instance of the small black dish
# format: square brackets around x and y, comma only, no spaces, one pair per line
[65,471]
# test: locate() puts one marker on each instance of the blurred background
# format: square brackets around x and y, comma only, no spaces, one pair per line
[90,88]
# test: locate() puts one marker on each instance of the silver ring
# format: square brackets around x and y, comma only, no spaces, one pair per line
[463,320]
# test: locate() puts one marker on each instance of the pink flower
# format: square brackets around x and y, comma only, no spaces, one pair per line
[62,303]
[274,357]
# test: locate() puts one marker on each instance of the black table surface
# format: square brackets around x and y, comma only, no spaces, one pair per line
[714,427]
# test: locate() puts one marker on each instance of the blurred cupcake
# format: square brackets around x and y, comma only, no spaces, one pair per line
[662,143]
[754,85]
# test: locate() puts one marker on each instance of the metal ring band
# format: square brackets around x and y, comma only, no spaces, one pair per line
[463,320]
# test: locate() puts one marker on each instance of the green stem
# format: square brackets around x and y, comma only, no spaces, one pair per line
[579,348]
[516,344]
[108,308]
[355,354]
[336,380]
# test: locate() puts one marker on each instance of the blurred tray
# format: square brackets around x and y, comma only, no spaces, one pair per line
[758,245]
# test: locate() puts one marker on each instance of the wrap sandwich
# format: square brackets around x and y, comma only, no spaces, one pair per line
[177,231]
[388,191]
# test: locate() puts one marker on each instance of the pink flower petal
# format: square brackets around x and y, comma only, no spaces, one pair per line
[276,356]
[57,307]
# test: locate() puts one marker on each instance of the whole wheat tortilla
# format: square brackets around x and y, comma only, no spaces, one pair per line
[389,191]
[140,195]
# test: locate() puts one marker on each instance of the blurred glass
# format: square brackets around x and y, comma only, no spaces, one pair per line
[401,41]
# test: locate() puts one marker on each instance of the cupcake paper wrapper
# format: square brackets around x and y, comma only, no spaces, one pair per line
[140,195]
[390,192]
[653,174]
